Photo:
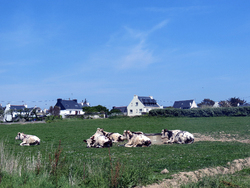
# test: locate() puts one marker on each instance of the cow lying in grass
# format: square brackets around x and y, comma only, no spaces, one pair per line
[177,136]
[27,139]
[136,139]
[115,137]
[98,141]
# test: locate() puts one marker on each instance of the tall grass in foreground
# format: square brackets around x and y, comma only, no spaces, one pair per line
[56,171]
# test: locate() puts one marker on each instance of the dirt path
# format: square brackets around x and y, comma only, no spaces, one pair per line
[194,176]
[223,138]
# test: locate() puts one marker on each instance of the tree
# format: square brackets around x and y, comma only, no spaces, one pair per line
[27,114]
[93,109]
[114,110]
[20,112]
[55,111]
[235,101]
[206,102]
[34,113]
[101,108]
[224,104]
[1,112]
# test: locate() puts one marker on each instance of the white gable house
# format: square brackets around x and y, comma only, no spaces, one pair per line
[140,105]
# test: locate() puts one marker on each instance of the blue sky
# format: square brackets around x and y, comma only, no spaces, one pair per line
[108,51]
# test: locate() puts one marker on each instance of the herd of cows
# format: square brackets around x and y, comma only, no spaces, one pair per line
[103,138]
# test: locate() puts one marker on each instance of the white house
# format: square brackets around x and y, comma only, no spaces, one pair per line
[69,107]
[186,104]
[140,105]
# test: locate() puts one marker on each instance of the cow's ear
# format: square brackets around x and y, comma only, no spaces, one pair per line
[85,141]
[92,137]
[19,133]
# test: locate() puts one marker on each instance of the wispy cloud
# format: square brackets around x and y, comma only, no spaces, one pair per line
[134,49]
[138,57]
[173,9]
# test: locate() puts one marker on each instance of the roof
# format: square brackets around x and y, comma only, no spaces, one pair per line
[246,104]
[183,104]
[123,109]
[68,104]
[148,101]
[17,107]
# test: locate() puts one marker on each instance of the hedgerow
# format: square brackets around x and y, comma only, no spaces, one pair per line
[201,112]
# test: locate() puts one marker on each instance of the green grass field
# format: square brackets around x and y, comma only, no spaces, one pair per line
[118,166]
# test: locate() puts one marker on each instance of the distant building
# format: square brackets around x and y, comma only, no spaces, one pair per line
[216,105]
[186,104]
[123,109]
[12,111]
[245,104]
[140,105]
[69,107]
[84,104]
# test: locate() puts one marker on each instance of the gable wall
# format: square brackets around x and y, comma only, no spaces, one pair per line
[135,107]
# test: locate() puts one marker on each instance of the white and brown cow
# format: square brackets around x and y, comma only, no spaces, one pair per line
[99,141]
[136,139]
[115,137]
[177,136]
[27,139]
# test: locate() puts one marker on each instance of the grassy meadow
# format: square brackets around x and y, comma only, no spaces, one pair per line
[62,159]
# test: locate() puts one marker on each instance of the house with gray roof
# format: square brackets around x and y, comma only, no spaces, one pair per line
[69,107]
[140,105]
[185,104]
[12,112]
[123,109]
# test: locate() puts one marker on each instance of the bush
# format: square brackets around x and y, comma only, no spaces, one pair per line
[201,112]
[52,118]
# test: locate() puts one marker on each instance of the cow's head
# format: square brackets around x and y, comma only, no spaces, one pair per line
[148,143]
[120,138]
[100,131]
[90,142]
[20,136]
[166,133]
[127,134]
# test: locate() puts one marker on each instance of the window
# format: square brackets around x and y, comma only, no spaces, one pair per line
[136,104]
[131,111]
[140,110]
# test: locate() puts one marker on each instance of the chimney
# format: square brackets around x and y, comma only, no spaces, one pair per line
[75,100]
[59,100]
